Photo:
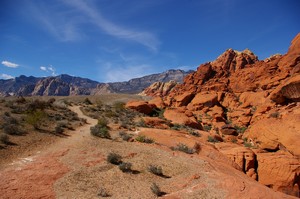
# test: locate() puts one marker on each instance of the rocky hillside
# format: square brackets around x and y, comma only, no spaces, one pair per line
[65,85]
[251,109]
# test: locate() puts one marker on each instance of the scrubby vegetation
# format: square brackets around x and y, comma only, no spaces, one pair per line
[156,170]
[184,148]
[114,158]
[144,139]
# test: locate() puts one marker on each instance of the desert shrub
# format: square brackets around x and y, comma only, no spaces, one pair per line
[100,131]
[157,170]
[103,193]
[184,148]
[141,123]
[207,127]
[4,138]
[240,129]
[8,119]
[59,129]
[21,100]
[194,133]
[144,139]
[119,106]
[12,129]
[275,114]
[114,158]
[36,104]
[35,118]
[156,190]
[125,167]
[102,122]
[176,126]
[248,144]
[87,101]
[212,139]
[51,101]
[125,136]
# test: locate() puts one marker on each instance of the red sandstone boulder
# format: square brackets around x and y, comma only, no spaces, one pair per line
[179,117]
[157,102]
[141,106]
[202,100]
[184,99]
[156,122]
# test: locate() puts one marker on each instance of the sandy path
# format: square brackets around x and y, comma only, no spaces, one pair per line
[34,176]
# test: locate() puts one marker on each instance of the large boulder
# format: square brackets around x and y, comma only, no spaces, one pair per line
[279,171]
[141,106]
[202,100]
[288,91]
[178,116]
[184,99]
[273,133]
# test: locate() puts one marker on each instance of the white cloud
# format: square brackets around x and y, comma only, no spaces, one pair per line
[43,68]
[6,76]
[49,69]
[10,64]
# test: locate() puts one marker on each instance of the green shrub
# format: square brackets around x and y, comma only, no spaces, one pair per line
[141,123]
[275,114]
[102,122]
[87,101]
[156,190]
[184,148]
[240,129]
[194,133]
[207,127]
[156,170]
[144,139]
[35,118]
[114,158]
[119,106]
[125,136]
[125,167]
[100,131]
[4,138]
[212,139]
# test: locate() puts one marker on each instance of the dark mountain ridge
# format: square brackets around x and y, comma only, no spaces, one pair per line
[65,85]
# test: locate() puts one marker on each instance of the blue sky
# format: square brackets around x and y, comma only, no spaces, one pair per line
[116,40]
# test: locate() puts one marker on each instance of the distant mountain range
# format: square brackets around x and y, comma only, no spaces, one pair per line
[65,85]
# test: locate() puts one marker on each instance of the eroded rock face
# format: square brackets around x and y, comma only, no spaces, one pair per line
[159,89]
[288,91]
[275,133]
[279,171]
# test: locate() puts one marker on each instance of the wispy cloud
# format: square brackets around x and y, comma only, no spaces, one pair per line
[126,73]
[49,69]
[6,76]
[66,20]
[10,64]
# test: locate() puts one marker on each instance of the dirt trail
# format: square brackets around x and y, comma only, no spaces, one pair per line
[34,176]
